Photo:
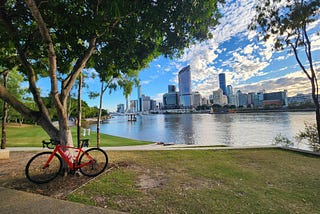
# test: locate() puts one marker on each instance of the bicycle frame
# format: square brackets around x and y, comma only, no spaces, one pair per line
[72,165]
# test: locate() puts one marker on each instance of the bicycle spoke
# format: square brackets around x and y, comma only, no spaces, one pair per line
[94,162]
[38,172]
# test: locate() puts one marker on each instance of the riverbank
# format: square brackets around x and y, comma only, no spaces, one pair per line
[228,110]
[272,110]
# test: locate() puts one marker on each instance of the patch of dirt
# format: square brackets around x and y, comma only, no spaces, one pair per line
[148,182]
[12,175]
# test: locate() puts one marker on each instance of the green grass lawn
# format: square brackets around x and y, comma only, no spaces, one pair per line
[207,181]
[32,136]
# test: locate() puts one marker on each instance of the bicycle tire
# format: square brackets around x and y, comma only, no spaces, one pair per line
[37,174]
[100,162]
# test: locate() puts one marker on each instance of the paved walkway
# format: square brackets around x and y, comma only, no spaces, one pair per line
[154,146]
[13,201]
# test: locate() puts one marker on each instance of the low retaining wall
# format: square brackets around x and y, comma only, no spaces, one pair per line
[4,154]
[301,151]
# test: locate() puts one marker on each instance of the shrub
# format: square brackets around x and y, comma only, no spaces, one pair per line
[310,134]
[282,140]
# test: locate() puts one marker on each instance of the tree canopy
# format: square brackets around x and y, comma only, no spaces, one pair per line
[286,23]
[58,39]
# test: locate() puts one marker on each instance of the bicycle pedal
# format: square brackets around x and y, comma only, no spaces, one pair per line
[77,173]
[72,172]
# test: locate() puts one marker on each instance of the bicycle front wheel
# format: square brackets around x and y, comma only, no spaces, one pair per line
[96,161]
[38,173]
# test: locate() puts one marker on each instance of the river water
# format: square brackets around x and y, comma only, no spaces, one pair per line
[239,129]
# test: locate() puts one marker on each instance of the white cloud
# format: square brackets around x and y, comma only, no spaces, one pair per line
[240,63]
[294,83]
[283,69]
[315,41]
[158,98]
[280,58]
[248,49]
[237,16]
[246,66]
[145,82]
[201,57]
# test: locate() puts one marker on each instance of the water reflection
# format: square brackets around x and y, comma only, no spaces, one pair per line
[211,129]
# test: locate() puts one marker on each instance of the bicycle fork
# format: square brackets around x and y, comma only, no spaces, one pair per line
[47,164]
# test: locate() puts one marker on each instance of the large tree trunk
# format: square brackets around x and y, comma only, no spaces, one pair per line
[311,75]
[60,100]
[41,115]
[315,98]
[79,111]
[318,122]
[5,114]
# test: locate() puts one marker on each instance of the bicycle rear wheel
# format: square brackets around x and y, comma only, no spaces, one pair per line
[37,173]
[97,165]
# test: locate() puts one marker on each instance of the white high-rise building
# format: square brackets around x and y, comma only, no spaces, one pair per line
[219,98]
[196,98]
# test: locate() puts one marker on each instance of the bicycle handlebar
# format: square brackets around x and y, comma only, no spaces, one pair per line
[51,142]
[84,143]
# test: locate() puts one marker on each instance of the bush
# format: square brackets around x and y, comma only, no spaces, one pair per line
[310,134]
[282,140]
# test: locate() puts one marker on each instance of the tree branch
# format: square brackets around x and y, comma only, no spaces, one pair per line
[37,116]
[51,55]
[80,64]
[47,39]
[294,46]
[6,20]
[310,60]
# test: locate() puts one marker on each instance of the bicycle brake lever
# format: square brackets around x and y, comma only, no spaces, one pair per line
[46,144]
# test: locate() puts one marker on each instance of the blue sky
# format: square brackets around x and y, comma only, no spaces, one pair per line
[249,65]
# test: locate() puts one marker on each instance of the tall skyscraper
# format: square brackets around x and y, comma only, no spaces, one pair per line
[229,90]
[222,83]
[139,99]
[185,87]
[229,93]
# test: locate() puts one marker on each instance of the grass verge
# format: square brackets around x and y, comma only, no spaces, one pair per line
[32,136]
[207,181]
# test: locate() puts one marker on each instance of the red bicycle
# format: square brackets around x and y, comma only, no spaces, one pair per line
[46,166]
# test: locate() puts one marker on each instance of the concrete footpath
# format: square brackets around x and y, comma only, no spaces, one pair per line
[13,201]
[151,147]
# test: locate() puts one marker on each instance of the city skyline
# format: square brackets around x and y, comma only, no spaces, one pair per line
[185,98]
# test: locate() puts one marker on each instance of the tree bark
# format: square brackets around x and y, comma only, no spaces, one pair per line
[5,114]
[37,116]
[315,86]
[311,75]
[79,111]
[315,98]
[60,101]
[41,116]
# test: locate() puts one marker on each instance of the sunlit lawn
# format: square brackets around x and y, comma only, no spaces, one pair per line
[207,181]
[32,136]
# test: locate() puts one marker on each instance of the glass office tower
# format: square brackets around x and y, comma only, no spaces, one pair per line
[185,87]
[222,83]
